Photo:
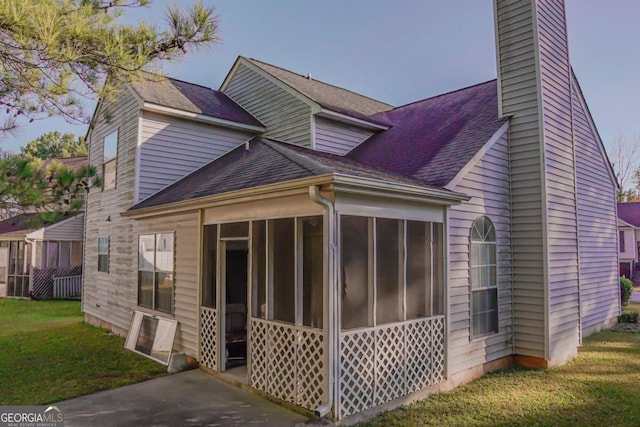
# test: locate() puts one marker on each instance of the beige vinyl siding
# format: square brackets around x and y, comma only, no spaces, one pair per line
[518,86]
[186,252]
[69,229]
[286,117]
[112,296]
[338,138]
[599,283]
[172,148]
[562,226]
[487,183]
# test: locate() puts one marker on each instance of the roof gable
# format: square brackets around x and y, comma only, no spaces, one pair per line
[603,152]
[433,139]
[325,95]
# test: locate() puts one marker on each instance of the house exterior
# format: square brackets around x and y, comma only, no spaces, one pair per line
[372,253]
[629,238]
[31,256]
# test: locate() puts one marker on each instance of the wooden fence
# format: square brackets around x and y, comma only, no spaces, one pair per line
[42,279]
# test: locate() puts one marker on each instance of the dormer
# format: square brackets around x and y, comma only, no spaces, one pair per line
[299,109]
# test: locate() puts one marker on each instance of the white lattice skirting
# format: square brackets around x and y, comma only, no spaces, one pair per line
[289,362]
[208,342]
[386,362]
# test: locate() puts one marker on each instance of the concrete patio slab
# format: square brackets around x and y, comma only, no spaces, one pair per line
[192,398]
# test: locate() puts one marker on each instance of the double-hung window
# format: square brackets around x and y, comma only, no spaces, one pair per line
[103,254]
[110,160]
[484,278]
[155,271]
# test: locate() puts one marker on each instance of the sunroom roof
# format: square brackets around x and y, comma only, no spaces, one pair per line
[264,161]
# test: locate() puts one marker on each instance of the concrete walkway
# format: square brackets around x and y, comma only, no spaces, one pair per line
[192,398]
[635,296]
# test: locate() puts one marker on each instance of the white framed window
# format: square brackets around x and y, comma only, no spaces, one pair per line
[110,160]
[156,271]
[484,278]
[103,254]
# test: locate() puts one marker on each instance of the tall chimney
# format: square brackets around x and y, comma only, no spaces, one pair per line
[534,88]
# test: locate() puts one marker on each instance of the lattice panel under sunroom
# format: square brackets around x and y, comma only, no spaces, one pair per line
[208,343]
[386,362]
[289,362]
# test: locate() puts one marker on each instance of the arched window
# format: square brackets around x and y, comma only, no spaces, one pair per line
[484,278]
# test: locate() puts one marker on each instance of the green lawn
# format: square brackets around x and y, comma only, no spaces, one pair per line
[600,388]
[48,354]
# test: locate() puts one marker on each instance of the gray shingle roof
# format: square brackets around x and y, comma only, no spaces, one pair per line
[265,162]
[27,222]
[433,139]
[192,98]
[328,96]
[630,213]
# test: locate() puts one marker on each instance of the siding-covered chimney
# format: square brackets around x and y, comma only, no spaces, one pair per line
[534,84]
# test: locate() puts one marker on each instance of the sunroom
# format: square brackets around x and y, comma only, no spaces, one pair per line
[341,309]
[326,291]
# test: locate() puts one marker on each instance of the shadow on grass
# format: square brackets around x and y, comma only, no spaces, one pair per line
[599,388]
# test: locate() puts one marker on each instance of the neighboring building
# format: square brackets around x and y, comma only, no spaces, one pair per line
[629,238]
[30,257]
[368,253]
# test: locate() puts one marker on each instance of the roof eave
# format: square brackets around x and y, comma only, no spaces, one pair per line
[623,223]
[340,182]
[408,192]
[253,193]
[343,118]
[203,118]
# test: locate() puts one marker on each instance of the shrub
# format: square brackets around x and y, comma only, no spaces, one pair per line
[626,288]
[628,317]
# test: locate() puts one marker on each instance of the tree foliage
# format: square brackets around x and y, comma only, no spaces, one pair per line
[625,158]
[48,188]
[54,145]
[54,53]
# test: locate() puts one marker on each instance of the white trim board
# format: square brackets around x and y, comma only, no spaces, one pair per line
[477,157]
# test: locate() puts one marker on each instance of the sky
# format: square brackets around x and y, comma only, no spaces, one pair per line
[399,51]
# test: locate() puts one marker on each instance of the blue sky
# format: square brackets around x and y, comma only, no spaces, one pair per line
[403,50]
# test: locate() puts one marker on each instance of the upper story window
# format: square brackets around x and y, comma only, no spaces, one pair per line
[110,160]
[621,233]
[484,278]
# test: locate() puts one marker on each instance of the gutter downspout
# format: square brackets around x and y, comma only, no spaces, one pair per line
[329,282]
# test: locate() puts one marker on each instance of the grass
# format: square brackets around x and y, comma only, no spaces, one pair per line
[48,354]
[600,387]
